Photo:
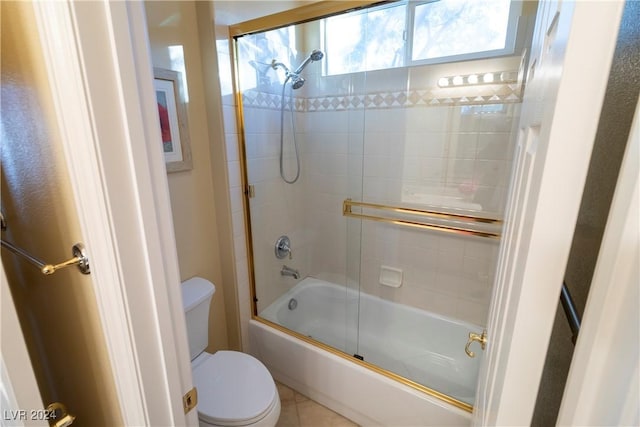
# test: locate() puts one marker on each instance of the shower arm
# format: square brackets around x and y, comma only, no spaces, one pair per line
[275,66]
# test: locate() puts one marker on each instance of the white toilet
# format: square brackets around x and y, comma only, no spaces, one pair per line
[234,389]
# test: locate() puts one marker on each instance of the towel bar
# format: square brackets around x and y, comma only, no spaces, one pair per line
[79,258]
[469,219]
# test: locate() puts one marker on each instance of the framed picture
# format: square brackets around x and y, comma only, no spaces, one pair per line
[173,120]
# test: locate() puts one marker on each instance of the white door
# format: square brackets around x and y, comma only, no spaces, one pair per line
[59,321]
[98,68]
[571,53]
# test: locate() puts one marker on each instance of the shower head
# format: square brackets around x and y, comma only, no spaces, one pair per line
[316,55]
[296,81]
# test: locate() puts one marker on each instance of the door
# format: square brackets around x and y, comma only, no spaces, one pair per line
[126,318]
[57,312]
[566,79]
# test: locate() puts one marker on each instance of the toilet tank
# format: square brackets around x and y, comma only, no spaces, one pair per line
[196,299]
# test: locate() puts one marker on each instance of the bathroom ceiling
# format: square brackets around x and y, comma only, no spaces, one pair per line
[232,12]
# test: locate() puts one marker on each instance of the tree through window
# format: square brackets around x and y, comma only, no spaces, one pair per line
[442,30]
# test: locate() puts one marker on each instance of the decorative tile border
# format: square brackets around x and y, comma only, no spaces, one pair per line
[488,94]
[270,101]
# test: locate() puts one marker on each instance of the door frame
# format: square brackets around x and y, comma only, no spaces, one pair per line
[18,386]
[603,382]
[101,78]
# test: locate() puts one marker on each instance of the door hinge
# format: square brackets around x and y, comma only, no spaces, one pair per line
[190,400]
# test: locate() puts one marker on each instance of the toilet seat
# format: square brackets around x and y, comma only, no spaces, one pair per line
[234,389]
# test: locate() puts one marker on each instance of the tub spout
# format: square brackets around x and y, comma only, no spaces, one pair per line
[288,271]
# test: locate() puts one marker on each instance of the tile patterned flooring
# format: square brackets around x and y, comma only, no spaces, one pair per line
[300,411]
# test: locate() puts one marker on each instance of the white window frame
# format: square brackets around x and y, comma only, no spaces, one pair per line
[515,10]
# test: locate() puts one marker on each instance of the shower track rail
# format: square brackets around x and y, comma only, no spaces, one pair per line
[348,204]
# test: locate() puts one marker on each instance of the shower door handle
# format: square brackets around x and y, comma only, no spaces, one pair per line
[482,339]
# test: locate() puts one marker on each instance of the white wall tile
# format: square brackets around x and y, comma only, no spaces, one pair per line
[234,174]
[494,146]
[491,172]
[229,118]
[236,196]
[499,122]
[387,80]
[432,169]
[327,121]
[472,312]
[427,150]
[428,119]
[391,120]
[459,171]
[377,144]
[425,144]
[231,142]
[463,145]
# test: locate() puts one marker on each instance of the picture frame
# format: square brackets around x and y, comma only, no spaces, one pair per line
[172,117]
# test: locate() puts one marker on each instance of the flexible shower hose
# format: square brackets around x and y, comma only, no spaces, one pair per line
[293,132]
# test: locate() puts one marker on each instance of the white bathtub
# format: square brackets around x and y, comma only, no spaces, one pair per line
[421,346]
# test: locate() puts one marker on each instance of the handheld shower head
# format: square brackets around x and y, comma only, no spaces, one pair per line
[316,55]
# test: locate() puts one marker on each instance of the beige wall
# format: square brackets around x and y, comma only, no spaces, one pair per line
[219,157]
[58,313]
[198,205]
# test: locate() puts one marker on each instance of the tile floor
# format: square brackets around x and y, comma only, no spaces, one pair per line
[300,411]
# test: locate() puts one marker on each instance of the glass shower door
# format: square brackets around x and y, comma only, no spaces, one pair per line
[302,161]
[388,180]
[435,173]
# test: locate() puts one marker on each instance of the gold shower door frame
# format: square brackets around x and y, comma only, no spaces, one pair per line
[296,16]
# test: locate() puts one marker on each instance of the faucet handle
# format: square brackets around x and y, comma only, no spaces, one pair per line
[283,247]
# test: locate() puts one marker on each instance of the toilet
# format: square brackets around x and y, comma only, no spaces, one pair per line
[234,388]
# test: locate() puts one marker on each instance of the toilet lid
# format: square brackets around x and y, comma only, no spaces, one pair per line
[233,389]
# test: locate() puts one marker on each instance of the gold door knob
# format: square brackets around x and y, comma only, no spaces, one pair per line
[482,339]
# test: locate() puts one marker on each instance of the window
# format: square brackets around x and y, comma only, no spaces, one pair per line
[415,33]
[355,43]
[459,27]
[258,50]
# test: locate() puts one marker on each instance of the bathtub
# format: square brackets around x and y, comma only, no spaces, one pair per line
[421,346]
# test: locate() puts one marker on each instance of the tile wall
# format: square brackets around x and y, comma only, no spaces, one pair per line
[388,137]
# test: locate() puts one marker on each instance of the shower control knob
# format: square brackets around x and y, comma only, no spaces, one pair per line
[283,247]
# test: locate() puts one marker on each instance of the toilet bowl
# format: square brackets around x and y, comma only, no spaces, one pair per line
[234,388]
